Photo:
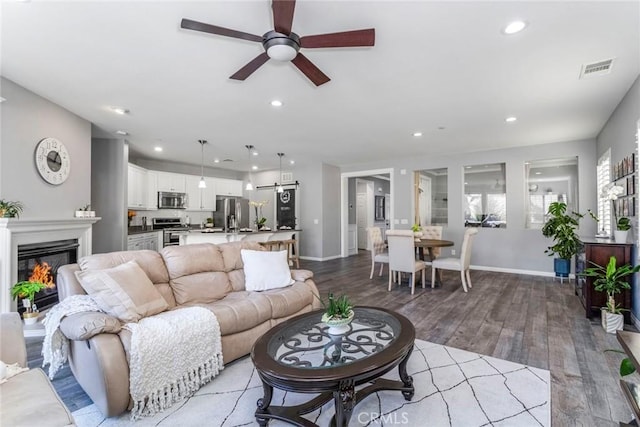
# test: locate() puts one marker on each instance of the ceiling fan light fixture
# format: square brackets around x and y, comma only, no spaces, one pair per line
[282,52]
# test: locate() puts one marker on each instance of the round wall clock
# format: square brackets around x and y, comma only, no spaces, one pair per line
[53,161]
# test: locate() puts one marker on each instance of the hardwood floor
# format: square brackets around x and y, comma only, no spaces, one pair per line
[525,319]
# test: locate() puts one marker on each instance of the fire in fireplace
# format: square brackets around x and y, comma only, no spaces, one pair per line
[40,262]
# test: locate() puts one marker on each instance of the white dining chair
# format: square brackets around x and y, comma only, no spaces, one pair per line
[378,249]
[432,232]
[458,264]
[402,256]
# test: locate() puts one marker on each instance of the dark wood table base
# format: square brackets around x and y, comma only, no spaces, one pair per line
[345,398]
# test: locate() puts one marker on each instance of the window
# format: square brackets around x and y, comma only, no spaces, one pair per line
[431,199]
[603,172]
[485,196]
[548,181]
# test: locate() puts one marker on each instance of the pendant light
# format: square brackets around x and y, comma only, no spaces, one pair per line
[249,186]
[280,189]
[202,184]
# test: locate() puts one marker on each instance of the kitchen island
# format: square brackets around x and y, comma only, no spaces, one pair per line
[204,236]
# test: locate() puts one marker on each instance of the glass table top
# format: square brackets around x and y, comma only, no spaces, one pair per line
[308,344]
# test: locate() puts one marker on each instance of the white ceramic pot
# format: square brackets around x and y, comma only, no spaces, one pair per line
[30,318]
[620,235]
[79,214]
[337,326]
[612,322]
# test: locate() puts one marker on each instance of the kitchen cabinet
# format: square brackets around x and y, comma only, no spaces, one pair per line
[171,182]
[141,188]
[228,187]
[598,252]
[136,187]
[200,199]
[145,241]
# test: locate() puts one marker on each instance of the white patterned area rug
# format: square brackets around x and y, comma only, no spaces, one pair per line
[452,388]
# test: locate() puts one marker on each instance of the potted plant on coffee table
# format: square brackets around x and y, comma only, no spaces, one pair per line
[561,227]
[26,290]
[610,279]
[338,313]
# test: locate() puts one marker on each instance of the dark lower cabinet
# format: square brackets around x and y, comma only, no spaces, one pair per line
[599,252]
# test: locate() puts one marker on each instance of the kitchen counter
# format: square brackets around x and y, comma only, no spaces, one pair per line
[199,236]
[138,229]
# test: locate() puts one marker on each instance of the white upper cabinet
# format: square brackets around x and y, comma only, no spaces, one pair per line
[172,182]
[228,187]
[200,199]
[137,190]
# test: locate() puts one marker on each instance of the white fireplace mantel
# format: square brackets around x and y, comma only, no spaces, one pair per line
[15,232]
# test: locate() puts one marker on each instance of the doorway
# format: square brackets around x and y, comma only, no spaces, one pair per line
[364,211]
[348,206]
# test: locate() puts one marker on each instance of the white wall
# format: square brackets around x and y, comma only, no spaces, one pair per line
[26,119]
[500,249]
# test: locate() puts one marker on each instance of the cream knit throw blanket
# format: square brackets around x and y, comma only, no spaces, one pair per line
[172,355]
[55,348]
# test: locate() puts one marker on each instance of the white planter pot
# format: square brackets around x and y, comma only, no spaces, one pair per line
[612,322]
[620,236]
[79,214]
[30,318]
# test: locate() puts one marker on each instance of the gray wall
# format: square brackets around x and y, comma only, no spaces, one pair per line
[109,193]
[513,247]
[619,135]
[168,166]
[331,211]
[26,119]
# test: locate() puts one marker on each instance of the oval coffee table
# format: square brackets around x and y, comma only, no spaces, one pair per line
[299,355]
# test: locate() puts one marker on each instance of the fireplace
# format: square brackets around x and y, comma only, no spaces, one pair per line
[40,262]
[15,233]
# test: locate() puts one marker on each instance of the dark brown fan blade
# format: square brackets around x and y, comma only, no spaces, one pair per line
[283,15]
[345,39]
[213,29]
[248,69]
[311,71]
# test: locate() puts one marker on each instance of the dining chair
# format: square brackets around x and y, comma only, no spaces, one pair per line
[402,256]
[378,249]
[432,232]
[458,264]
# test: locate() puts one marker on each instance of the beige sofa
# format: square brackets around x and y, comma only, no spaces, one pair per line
[26,399]
[204,274]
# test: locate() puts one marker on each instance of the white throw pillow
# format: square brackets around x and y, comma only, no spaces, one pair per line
[264,270]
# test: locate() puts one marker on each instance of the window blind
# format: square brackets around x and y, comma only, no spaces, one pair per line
[603,171]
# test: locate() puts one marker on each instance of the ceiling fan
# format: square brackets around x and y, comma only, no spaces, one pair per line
[282,44]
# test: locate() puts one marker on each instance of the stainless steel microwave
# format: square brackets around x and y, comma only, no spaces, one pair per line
[169,200]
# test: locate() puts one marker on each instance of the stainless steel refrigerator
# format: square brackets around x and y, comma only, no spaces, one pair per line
[232,213]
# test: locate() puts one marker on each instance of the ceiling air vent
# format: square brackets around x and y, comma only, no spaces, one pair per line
[599,68]
[287,176]
[228,160]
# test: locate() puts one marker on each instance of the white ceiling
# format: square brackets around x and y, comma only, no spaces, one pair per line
[435,64]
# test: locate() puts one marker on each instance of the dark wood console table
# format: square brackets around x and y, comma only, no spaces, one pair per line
[599,251]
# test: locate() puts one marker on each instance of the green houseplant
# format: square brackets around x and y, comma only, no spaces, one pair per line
[26,290]
[9,209]
[610,279]
[561,226]
[623,225]
[338,313]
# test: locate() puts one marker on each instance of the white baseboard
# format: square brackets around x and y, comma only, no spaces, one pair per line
[516,271]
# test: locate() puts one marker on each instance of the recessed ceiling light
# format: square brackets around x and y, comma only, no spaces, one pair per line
[291,162]
[216,160]
[158,149]
[276,103]
[466,183]
[254,167]
[119,110]
[510,119]
[122,132]
[254,152]
[514,27]
[467,167]
[2,99]
[417,134]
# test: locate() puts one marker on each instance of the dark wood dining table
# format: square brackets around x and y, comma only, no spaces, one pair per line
[430,244]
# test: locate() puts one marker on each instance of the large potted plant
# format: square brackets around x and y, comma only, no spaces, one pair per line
[561,227]
[610,279]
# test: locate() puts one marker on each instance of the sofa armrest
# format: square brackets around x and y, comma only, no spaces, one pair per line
[67,283]
[82,326]
[301,275]
[12,346]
